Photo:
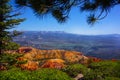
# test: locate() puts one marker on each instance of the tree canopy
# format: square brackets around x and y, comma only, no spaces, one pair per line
[60,9]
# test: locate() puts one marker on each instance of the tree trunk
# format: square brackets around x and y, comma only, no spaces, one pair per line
[1,29]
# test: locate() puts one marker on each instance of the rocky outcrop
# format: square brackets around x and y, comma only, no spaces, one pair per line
[30,65]
[67,56]
[79,77]
[49,58]
[54,63]
[24,49]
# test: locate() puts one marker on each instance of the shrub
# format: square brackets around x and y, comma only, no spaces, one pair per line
[102,70]
[107,68]
[50,74]
[75,69]
[14,74]
[112,78]
[93,75]
[117,70]
[42,74]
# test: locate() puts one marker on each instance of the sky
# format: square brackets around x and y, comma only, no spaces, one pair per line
[75,24]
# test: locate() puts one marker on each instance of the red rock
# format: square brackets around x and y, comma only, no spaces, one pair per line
[54,63]
[30,65]
[24,49]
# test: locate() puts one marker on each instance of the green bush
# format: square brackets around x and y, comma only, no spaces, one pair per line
[50,74]
[42,74]
[14,74]
[75,69]
[93,75]
[101,70]
[117,70]
[107,68]
[112,78]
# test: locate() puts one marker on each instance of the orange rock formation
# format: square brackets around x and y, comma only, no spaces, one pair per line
[54,63]
[53,58]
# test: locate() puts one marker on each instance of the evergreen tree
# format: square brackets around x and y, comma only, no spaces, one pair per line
[7,21]
[60,9]
[98,9]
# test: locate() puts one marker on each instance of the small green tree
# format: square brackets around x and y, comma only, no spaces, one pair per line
[7,21]
[10,60]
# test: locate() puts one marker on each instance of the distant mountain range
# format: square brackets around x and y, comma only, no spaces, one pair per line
[101,46]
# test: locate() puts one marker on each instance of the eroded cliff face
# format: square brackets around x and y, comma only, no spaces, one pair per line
[50,58]
[36,54]
[54,63]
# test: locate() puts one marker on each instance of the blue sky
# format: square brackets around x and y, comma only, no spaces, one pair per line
[76,23]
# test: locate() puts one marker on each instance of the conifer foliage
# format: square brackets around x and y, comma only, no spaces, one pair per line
[60,9]
[8,20]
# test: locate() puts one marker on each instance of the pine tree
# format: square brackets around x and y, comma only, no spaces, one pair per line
[8,20]
[60,9]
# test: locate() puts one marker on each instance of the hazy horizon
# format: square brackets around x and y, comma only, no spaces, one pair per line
[71,32]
